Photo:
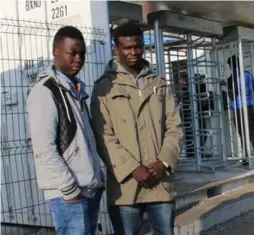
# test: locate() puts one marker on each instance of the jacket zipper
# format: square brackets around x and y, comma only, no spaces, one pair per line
[81,106]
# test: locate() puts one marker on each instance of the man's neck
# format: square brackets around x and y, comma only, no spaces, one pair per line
[72,78]
[135,71]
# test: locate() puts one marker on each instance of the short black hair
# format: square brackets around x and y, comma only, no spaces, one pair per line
[67,32]
[126,30]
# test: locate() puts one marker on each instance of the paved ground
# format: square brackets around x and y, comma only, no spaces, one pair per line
[186,182]
[12,230]
[243,225]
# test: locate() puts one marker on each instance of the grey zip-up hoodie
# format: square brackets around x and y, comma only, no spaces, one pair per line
[77,169]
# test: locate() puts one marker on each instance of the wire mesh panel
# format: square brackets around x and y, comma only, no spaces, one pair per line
[237,63]
[25,51]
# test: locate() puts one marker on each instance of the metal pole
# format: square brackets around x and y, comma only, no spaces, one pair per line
[228,111]
[219,91]
[193,98]
[234,51]
[151,48]
[245,111]
[252,59]
[159,49]
[109,37]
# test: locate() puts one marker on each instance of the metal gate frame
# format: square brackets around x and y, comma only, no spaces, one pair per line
[235,45]
[193,43]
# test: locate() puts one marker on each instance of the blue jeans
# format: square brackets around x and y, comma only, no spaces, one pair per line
[127,220]
[78,218]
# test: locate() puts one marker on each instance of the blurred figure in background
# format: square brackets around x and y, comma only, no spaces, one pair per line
[235,93]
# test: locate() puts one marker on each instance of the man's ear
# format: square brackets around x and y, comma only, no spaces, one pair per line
[55,51]
[116,51]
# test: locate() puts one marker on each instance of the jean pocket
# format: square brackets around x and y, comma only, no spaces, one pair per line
[55,201]
[72,203]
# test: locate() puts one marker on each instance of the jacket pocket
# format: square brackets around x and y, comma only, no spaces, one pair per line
[73,154]
[119,94]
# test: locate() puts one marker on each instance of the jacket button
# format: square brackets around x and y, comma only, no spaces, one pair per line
[123,120]
[114,166]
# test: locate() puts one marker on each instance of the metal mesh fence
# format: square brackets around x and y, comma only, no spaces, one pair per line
[25,51]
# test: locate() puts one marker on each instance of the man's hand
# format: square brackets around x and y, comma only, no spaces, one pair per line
[143,177]
[74,200]
[157,169]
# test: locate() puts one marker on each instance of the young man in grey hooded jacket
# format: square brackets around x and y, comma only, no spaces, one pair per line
[67,164]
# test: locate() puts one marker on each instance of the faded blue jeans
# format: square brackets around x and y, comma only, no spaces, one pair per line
[78,218]
[127,220]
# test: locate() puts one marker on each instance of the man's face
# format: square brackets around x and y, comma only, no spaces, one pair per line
[69,55]
[130,50]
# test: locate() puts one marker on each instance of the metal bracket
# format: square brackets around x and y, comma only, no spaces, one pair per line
[179,23]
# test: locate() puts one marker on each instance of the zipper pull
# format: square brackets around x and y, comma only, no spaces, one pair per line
[154,90]
[82,106]
[139,93]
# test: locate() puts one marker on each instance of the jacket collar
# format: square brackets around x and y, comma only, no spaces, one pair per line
[123,76]
[63,83]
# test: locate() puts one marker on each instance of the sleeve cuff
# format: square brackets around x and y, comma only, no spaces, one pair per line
[166,170]
[125,169]
[71,192]
[169,163]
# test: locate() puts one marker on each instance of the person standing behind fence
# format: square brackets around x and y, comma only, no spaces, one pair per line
[139,136]
[67,164]
[236,96]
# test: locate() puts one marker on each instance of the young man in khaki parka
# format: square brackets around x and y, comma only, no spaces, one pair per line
[139,137]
